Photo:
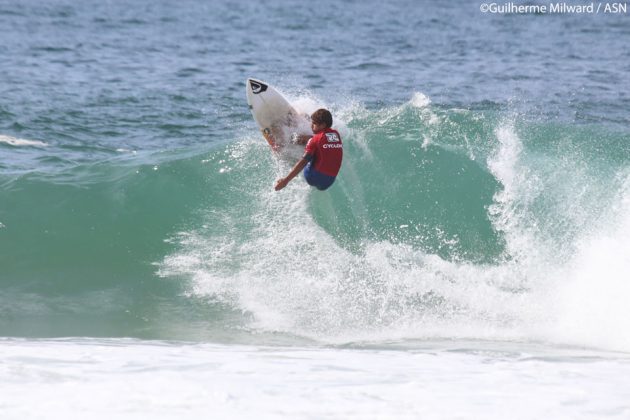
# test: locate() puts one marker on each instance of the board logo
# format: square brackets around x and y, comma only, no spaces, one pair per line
[257,87]
[332,137]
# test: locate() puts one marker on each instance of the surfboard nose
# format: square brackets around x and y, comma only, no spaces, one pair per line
[255,86]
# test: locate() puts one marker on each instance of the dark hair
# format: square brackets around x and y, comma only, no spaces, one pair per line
[322,116]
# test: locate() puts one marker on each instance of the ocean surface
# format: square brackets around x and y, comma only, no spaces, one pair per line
[471,261]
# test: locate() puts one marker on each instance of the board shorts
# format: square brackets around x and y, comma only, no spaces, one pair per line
[317,179]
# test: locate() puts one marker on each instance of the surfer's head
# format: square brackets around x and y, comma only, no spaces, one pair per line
[321,120]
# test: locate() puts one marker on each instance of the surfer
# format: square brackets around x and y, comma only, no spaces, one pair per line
[322,155]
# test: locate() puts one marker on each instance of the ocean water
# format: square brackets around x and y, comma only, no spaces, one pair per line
[471,261]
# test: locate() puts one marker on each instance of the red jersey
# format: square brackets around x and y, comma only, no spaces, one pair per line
[325,151]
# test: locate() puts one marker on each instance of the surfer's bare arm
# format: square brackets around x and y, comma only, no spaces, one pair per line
[282,182]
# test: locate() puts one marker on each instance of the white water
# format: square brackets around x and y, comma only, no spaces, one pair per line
[593,307]
[131,379]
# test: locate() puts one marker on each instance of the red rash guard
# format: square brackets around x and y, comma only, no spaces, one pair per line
[325,151]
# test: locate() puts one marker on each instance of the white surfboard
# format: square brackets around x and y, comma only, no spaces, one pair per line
[276,117]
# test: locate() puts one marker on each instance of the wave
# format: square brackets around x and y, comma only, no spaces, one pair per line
[444,223]
[450,223]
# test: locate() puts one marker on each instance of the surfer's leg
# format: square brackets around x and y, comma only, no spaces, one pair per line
[317,180]
[309,174]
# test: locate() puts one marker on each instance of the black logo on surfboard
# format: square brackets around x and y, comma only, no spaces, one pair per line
[257,87]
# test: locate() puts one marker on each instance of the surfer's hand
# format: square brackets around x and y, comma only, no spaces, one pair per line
[281,183]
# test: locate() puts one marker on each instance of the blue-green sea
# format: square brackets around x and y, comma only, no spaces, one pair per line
[482,213]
